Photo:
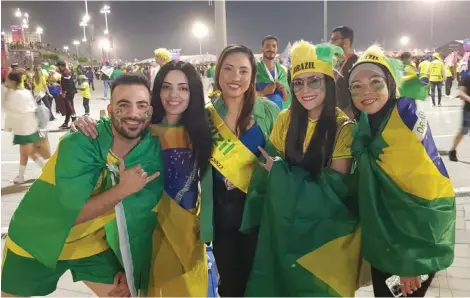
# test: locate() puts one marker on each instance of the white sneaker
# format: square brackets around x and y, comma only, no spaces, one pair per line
[19,179]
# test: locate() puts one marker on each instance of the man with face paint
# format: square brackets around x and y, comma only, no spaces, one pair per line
[90,211]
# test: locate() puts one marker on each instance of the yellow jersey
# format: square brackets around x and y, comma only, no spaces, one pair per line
[424,69]
[344,139]
[86,93]
[436,71]
[86,239]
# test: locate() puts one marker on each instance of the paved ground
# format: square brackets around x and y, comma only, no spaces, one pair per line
[444,121]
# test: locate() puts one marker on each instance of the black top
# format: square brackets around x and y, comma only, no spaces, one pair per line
[344,96]
[466,84]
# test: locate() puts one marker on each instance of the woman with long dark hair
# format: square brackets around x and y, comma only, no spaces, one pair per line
[406,199]
[179,265]
[240,124]
[306,225]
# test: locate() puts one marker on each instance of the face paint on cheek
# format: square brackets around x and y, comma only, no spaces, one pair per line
[379,87]
[322,90]
[355,95]
[118,113]
[147,114]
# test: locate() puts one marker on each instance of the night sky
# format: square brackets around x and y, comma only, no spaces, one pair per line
[140,27]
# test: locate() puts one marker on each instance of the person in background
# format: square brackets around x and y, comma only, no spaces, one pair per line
[16,68]
[344,37]
[90,76]
[436,77]
[423,67]
[84,87]
[211,71]
[271,78]
[117,72]
[465,96]
[106,72]
[162,56]
[40,90]
[20,107]
[449,79]
[68,92]
[54,89]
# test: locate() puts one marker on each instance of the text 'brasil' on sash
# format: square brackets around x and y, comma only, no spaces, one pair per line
[229,156]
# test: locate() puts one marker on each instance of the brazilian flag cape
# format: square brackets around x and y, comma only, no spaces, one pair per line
[411,86]
[406,199]
[309,240]
[262,76]
[51,206]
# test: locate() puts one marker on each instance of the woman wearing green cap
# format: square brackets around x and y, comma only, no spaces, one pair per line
[406,199]
[309,239]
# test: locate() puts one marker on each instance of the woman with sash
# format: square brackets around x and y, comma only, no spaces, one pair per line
[406,199]
[179,264]
[309,240]
[240,125]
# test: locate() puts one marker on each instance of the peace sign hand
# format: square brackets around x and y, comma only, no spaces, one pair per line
[269,160]
[133,179]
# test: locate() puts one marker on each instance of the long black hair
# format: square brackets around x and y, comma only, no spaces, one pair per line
[250,94]
[194,119]
[320,149]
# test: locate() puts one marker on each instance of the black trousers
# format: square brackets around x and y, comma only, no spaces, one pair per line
[86,105]
[382,290]
[435,85]
[449,81]
[69,108]
[233,251]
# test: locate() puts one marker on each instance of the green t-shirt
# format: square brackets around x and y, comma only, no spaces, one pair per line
[116,73]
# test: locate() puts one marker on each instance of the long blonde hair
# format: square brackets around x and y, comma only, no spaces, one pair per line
[38,75]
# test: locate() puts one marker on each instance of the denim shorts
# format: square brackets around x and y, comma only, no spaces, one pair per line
[465,123]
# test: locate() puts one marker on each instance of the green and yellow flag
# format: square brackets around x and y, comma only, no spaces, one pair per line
[406,199]
[264,76]
[309,241]
[50,208]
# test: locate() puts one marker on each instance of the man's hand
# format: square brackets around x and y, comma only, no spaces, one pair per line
[280,86]
[121,288]
[85,125]
[133,179]
[269,89]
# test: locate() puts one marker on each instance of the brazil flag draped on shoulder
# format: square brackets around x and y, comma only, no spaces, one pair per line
[179,263]
[264,76]
[50,208]
[406,199]
[309,240]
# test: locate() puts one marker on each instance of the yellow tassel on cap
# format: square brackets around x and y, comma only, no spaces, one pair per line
[304,59]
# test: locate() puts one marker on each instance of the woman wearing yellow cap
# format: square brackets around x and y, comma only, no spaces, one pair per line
[309,240]
[406,199]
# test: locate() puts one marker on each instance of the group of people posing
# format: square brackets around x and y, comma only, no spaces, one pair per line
[296,202]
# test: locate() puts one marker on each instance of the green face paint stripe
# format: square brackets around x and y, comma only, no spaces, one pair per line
[355,95]
[380,87]
[322,89]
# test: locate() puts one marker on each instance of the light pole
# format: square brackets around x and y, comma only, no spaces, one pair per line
[105,10]
[220,25]
[200,30]
[325,21]
[86,18]
[39,32]
[76,43]
[84,24]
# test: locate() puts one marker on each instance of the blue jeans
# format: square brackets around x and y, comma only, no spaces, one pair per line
[106,87]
